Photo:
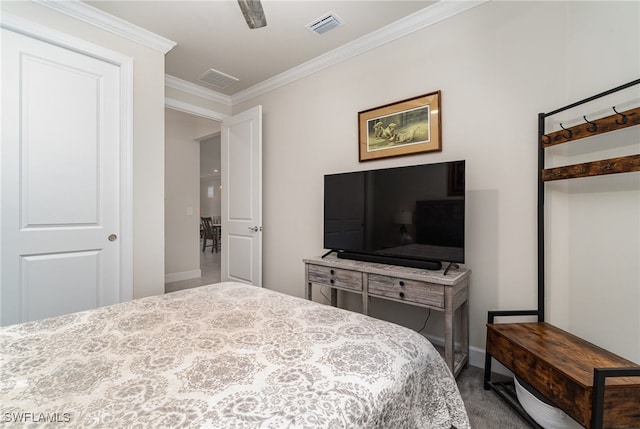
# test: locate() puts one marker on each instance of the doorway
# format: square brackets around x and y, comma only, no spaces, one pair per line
[190,160]
[241,224]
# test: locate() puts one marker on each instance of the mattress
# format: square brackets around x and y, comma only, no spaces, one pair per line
[226,355]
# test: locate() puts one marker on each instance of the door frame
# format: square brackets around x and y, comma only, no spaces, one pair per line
[192,109]
[125,64]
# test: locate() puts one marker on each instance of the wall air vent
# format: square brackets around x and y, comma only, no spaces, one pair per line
[216,78]
[325,23]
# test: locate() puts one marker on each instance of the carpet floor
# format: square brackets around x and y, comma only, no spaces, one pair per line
[485,409]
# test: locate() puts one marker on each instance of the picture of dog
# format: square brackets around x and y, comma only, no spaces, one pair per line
[406,137]
[378,129]
[390,132]
[400,128]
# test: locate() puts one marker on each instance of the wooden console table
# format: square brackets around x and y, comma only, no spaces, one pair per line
[423,288]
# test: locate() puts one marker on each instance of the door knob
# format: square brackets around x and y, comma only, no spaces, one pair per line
[113,237]
[254,229]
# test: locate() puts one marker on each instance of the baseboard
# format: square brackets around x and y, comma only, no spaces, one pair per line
[184,275]
[476,357]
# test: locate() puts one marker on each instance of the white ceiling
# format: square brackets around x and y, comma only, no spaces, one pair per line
[214,34]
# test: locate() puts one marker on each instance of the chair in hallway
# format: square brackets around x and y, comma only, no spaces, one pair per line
[217,231]
[208,233]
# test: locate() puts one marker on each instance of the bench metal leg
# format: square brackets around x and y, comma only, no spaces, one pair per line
[599,379]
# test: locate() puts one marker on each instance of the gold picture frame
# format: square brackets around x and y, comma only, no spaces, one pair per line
[402,128]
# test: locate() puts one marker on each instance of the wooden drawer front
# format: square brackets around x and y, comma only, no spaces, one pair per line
[407,290]
[563,392]
[336,277]
[541,371]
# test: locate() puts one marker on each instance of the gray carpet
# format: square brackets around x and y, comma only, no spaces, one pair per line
[485,409]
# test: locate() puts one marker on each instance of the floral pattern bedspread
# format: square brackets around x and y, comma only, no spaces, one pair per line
[223,356]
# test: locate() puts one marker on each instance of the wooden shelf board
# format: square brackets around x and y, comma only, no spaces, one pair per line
[623,164]
[604,125]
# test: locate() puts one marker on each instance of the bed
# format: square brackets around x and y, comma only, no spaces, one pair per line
[226,355]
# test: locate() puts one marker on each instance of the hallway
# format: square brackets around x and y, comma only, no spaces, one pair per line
[210,267]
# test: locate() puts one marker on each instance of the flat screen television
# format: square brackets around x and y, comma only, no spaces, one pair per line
[410,216]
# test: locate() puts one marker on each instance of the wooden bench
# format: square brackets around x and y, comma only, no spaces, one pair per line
[596,387]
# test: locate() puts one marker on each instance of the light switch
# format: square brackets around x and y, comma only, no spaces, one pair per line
[189,211]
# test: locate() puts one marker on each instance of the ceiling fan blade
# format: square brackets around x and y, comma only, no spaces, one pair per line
[253,13]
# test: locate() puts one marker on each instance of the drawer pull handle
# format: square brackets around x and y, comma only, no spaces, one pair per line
[332,272]
[401,283]
[332,281]
[401,294]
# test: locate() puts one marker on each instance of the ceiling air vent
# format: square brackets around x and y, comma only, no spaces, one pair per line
[325,23]
[216,78]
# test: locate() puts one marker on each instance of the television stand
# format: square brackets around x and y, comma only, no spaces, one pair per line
[428,289]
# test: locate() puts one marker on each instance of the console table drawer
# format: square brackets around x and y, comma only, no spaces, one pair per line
[336,277]
[407,290]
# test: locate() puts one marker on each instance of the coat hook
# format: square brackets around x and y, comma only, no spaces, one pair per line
[546,139]
[624,117]
[568,133]
[593,127]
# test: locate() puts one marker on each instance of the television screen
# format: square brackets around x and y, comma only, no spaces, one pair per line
[412,216]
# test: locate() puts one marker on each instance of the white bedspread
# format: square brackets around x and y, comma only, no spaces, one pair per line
[224,356]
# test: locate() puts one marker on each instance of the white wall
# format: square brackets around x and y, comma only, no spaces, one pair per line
[497,65]
[148,139]
[210,206]
[182,197]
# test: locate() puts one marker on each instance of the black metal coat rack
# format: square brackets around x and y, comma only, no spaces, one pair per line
[589,128]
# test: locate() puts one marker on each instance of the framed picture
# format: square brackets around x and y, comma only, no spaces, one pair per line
[402,128]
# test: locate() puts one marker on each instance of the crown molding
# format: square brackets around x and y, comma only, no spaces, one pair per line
[39,31]
[193,89]
[417,21]
[181,106]
[94,16]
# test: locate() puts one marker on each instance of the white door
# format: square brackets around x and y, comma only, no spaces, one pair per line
[241,165]
[60,161]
